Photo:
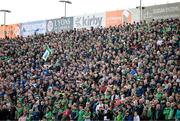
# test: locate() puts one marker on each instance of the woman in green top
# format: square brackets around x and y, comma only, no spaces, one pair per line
[19,109]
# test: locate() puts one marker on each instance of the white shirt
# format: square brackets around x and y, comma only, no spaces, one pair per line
[98,106]
[136,118]
[116,97]
[159,42]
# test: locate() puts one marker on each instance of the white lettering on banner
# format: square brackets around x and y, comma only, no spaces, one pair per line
[161,12]
[166,16]
[58,24]
[164,10]
[115,18]
[88,21]
[62,22]
[34,27]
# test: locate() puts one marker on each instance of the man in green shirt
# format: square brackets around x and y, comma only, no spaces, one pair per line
[119,116]
[159,95]
[29,115]
[168,111]
[81,114]
[49,114]
[87,114]
[177,116]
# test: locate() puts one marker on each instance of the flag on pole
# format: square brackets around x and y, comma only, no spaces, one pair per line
[46,53]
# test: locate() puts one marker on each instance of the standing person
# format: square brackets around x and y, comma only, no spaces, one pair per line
[100,113]
[74,112]
[126,116]
[81,114]
[151,112]
[4,113]
[49,114]
[159,112]
[24,116]
[36,113]
[30,115]
[87,114]
[42,108]
[60,112]
[136,117]
[168,111]
[100,104]
[177,116]
[144,116]
[108,113]
[172,111]
[19,109]
[12,112]
[66,115]
[119,116]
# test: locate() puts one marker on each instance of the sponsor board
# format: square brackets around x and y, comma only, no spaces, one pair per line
[87,21]
[56,25]
[118,17]
[135,14]
[10,31]
[114,18]
[31,28]
[171,10]
[127,16]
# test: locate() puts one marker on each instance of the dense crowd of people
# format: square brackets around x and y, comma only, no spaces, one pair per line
[129,72]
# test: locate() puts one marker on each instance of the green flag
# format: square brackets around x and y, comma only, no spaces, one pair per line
[46,53]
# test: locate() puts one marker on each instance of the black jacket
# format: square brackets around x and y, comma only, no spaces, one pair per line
[4,113]
[159,114]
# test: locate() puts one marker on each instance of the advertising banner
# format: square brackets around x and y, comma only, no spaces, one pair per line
[2,30]
[10,31]
[171,10]
[87,21]
[56,25]
[114,18]
[127,16]
[31,28]
[118,17]
[135,14]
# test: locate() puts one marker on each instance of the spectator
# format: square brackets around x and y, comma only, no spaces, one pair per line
[168,111]
[4,113]
[136,117]
[81,114]
[177,117]
[87,115]
[48,114]
[23,117]
[159,113]
[105,73]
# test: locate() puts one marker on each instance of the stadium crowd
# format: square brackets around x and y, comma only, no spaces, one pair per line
[129,72]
